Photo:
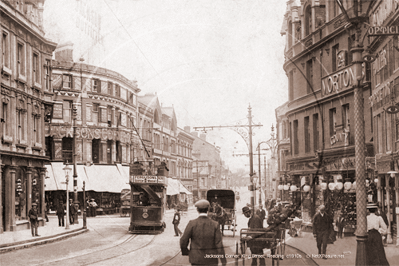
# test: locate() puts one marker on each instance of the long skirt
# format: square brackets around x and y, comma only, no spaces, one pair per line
[375,249]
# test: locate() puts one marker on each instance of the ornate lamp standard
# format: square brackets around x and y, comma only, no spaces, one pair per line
[358,20]
[67,169]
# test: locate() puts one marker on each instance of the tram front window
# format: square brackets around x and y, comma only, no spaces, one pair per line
[144,199]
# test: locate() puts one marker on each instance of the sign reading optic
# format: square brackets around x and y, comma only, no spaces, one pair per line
[381,31]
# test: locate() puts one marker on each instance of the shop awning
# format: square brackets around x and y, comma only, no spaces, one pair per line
[99,178]
[176,187]
[124,171]
[172,188]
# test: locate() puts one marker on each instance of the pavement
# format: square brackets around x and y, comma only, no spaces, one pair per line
[342,252]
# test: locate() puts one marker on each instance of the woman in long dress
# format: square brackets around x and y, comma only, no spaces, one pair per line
[374,247]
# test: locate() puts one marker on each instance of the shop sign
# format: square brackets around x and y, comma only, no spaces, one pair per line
[91,133]
[152,179]
[341,137]
[383,31]
[137,179]
[380,93]
[339,81]
[341,164]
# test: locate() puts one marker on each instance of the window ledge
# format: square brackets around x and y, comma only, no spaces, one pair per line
[37,86]
[7,139]
[37,146]
[7,71]
[22,144]
[22,78]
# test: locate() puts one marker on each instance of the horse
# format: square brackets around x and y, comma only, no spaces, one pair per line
[219,215]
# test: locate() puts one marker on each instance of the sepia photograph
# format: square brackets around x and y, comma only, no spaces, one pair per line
[199,132]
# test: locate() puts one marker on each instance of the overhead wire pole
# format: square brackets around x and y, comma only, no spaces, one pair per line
[248,140]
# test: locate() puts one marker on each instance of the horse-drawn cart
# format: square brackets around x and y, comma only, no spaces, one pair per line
[222,208]
[266,239]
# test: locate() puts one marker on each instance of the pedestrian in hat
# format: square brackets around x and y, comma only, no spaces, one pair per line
[254,222]
[374,247]
[60,213]
[206,244]
[33,218]
[72,212]
[322,226]
[176,222]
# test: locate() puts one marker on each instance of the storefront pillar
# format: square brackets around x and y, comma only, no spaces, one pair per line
[42,193]
[10,224]
[388,199]
[113,151]
[29,187]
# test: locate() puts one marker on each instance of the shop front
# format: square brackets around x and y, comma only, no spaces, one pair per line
[22,183]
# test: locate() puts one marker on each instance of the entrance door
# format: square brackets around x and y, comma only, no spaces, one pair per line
[109,151]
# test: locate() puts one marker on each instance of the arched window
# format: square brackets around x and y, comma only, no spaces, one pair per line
[308,20]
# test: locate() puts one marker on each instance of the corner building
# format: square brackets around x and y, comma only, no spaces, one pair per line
[106,136]
[320,115]
[25,106]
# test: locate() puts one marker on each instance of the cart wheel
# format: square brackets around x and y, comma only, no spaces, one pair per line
[234,226]
[274,251]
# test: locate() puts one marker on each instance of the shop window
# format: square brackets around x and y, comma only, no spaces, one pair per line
[67,81]
[67,145]
[21,195]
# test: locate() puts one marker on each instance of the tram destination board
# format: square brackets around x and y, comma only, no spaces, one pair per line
[148,179]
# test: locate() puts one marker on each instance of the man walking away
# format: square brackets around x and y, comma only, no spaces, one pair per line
[206,239]
[254,222]
[322,226]
[33,217]
[60,213]
[176,222]
[71,212]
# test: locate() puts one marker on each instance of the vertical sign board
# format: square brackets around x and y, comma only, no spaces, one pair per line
[57,111]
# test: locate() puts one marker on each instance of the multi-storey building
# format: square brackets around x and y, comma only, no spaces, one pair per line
[207,165]
[383,95]
[106,139]
[320,115]
[25,95]
[170,145]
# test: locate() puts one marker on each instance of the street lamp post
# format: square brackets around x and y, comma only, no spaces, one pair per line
[67,169]
[358,21]
[259,171]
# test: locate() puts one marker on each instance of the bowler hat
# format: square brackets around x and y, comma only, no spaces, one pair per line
[34,204]
[202,204]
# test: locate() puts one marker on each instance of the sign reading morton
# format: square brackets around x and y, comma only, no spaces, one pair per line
[338,82]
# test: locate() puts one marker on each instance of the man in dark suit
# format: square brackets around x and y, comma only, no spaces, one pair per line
[322,226]
[254,222]
[206,239]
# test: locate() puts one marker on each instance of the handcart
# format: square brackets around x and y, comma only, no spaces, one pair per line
[266,239]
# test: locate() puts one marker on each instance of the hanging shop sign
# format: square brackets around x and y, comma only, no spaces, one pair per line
[338,82]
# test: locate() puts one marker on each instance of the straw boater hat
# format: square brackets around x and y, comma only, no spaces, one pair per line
[371,206]
[34,204]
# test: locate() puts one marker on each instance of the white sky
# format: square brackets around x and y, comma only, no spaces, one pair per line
[210,59]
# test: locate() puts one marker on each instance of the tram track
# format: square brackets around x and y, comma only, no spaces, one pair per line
[127,240]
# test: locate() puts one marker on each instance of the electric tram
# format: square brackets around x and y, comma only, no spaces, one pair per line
[148,197]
